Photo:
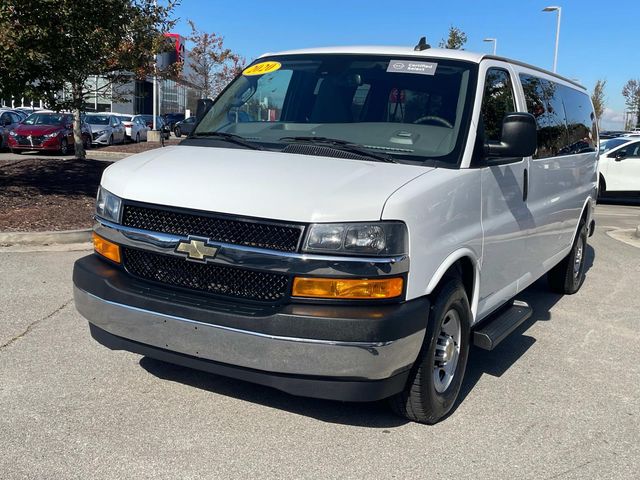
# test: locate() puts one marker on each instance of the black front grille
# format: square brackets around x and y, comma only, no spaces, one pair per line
[215,279]
[34,140]
[268,235]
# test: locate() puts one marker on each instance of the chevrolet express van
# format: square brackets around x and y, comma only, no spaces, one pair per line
[343,223]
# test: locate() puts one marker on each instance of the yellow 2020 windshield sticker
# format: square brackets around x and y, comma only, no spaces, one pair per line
[262,68]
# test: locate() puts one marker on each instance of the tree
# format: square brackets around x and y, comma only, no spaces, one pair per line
[597,98]
[455,40]
[631,94]
[213,65]
[50,46]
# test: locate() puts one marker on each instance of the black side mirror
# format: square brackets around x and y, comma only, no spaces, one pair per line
[204,105]
[620,155]
[519,138]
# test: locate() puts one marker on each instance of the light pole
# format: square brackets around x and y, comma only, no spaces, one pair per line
[555,56]
[495,43]
[155,78]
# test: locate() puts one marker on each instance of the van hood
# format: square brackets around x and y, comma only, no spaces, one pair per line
[274,185]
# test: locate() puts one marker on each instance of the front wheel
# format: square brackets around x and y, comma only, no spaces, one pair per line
[567,277]
[138,137]
[436,377]
[64,146]
[177,132]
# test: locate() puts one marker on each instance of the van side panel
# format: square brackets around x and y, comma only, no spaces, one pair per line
[562,174]
[442,212]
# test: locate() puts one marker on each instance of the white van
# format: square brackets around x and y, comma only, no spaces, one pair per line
[343,223]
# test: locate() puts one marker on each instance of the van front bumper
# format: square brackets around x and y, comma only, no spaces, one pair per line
[342,352]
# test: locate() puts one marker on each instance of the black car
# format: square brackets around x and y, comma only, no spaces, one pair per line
[172,118]
[185,127]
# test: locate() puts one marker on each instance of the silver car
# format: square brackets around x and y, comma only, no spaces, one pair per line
[106,128]
[9,120]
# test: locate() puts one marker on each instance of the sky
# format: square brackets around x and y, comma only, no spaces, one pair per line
[598,40]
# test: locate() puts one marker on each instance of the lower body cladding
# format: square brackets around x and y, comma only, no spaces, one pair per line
[340,352]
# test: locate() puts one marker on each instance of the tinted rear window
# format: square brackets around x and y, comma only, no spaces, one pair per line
[565,118]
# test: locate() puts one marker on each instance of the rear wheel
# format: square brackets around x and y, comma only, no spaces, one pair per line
[64,147]
[602,187]
[436,377]
[567,277]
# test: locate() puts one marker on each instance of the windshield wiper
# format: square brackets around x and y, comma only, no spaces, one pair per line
[341,145]
[231,138]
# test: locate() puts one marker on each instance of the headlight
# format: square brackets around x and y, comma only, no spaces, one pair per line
[100,132]
[51,135]
[380,238]
[108,205]
[13,134]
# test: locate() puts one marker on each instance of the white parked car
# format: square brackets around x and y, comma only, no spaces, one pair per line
[620,165]
[354,230]
[135,127]
[106,128]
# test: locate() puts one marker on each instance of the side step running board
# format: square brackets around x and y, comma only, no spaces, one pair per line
[491,332]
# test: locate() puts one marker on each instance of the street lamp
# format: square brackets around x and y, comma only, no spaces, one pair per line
[555,56]
[495,43]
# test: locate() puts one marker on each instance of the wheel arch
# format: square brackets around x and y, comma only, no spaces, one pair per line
[462,262]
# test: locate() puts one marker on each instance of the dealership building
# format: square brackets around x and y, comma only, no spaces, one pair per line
[136,96]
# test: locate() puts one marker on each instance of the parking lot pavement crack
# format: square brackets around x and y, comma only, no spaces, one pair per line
[34,324]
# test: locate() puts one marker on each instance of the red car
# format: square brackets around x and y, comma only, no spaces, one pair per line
[49,131]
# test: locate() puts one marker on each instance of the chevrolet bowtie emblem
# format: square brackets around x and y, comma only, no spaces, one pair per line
[196,249]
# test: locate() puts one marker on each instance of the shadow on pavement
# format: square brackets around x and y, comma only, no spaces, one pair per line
[496,362]
[374,414]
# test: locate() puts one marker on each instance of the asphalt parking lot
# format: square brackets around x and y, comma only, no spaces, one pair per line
[559,399]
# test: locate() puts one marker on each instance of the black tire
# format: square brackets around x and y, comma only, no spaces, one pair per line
[177,132]
[15,151]
[64,147]
[87,142]
[567,277]
[420,401]
[110,140]
[602,187]
[138,137]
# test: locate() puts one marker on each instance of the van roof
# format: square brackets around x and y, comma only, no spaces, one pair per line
[409,51]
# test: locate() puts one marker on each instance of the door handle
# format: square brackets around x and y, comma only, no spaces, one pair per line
[525,185]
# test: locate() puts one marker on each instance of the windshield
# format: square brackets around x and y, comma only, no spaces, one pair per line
[125,118]
[607,145]
[409,108]
[98,119]
[44,119]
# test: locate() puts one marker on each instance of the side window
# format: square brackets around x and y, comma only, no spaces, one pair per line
[581,125]
[5,118]
[545,104]
[498,100]
[15,117]
[630,151]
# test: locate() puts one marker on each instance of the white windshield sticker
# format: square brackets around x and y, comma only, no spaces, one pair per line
[405,66]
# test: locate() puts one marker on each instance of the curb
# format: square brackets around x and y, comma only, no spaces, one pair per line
[45,238]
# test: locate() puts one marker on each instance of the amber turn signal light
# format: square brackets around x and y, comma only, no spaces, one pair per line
[106,248]
[354,288]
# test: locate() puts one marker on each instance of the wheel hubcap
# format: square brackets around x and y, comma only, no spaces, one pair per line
[447,351]
[577,264]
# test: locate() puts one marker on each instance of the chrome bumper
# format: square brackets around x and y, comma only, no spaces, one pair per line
[269,353]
